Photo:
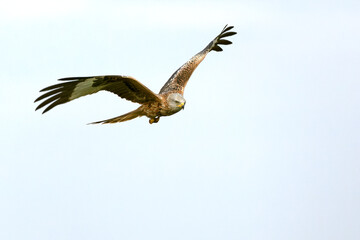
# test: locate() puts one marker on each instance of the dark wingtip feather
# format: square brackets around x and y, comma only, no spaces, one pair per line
[38,107]
[67,79]
[51,99]
[54,104]
[48,94]
[227,28]
[42,97]
[227,34]
[59,85]
[73,78]
[219,39]
[217,48]
[224,42]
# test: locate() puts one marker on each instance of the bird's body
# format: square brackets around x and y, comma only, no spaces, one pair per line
[169,101]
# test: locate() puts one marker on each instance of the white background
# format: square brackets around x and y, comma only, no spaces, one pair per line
[267,147]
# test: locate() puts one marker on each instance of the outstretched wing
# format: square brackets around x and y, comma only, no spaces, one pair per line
[178,80]
[75,87]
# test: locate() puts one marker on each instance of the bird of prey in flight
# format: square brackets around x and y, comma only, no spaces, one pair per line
[170,99]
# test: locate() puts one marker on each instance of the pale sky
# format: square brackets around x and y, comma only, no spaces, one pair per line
[266,148]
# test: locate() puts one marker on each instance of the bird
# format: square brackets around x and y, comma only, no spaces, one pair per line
[168,101]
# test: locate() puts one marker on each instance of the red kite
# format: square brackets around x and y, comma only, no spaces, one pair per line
[170,99]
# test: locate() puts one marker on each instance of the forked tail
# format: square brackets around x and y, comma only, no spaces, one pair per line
[128,116]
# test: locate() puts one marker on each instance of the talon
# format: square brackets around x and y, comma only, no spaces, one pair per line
[154,120]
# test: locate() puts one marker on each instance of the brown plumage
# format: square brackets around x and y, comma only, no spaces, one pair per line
[170,99]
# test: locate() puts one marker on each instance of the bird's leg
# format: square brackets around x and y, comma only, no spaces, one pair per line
[154,120]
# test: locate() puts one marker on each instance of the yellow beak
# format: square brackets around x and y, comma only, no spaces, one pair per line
[181,105]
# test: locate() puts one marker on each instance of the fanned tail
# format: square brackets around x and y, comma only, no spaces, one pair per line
[128,116]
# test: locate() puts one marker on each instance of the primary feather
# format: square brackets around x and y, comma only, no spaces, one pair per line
[75,87]
[179,79]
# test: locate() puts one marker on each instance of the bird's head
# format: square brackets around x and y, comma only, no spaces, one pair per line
[176,102]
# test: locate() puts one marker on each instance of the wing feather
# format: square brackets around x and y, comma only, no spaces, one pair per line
[75,87]
[179,79]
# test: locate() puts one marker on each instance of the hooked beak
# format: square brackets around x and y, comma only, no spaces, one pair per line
[182,105]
